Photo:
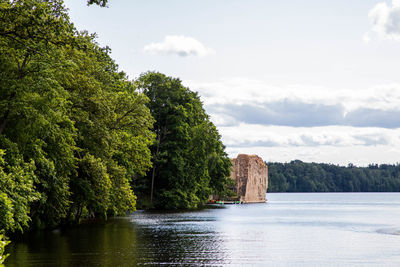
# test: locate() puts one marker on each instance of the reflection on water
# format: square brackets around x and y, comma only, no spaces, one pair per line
[189,238]
[108,244]
[291,229]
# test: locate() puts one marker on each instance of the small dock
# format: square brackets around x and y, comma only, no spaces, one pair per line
[225,202]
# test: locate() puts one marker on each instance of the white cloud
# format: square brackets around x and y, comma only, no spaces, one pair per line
[330,144]
[179,45]
[236,100]
[251,135]
[386,20]
[284,123]
[361,155]
[240,91]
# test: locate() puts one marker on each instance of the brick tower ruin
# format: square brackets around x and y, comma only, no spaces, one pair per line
[250,174]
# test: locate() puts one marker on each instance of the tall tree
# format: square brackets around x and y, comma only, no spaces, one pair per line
[33,105]
[189,161]
[73,129]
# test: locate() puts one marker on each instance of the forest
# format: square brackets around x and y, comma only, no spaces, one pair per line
[298,176]
[79,139]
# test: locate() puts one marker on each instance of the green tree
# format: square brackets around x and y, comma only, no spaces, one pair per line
[113,126]
[298,176]
[189,161]
[73,128]
[33,106]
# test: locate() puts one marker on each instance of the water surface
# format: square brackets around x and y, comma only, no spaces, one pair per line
[357,229]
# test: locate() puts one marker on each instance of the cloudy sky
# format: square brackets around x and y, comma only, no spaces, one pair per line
[313,80]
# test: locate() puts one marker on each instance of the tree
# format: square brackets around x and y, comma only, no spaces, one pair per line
[33,105]
[298,176]
[73,129]
[189,161]
[113,127]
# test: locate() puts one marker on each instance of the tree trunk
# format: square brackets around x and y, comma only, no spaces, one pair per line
[154,168]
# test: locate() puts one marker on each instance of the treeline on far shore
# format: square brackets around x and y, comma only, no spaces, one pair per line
[298,176]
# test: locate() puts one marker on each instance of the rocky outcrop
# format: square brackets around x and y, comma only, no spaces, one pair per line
[250,174]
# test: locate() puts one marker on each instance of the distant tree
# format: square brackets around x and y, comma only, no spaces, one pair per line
[298,176]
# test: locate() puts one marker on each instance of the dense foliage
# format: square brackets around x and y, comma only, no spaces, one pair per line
[76,134]
[189,161]
[73,130]
[298,176]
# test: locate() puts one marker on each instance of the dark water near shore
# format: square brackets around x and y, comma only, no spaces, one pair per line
[361,229]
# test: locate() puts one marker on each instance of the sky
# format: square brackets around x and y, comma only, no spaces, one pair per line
[313,80]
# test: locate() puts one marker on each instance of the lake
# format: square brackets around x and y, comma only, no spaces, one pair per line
[291,229]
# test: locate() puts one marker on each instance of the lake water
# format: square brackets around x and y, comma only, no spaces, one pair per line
[327,229]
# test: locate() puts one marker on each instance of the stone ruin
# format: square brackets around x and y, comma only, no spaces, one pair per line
[250,174]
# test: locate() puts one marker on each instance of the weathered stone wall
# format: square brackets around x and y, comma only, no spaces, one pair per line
[250,174]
